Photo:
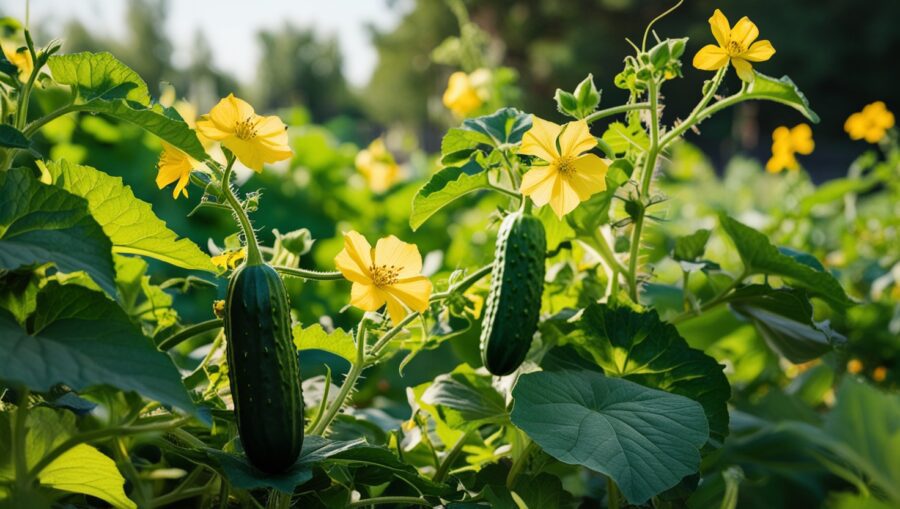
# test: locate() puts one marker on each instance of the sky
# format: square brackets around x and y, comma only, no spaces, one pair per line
[231,26]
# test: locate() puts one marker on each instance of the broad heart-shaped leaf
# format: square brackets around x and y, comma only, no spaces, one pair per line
[129,222]
[781,90]
[466,400]
[13,138]
[99,76]
[81,469]
[644,439]
[80,338]
[784,318]
[162,122]
[314,337]
[761,257]
[41,224]
[642,348]
[445,186]
[502,128]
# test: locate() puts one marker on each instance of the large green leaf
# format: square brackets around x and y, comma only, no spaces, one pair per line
[466,400]
[761,257]
[501,129]
[784,318]
[129,222]
[81,469]
[314,337]
[80,338]
[98,76]
[642,348]
[781,90]
[445,186]
[41,224]
[644,439]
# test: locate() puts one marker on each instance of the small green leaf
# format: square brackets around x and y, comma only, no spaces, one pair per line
[566,103]
[129,223]
[503,128]
[623,138]
[99,76]
[466,400]
[582,102]
[80,338]
[784,318]
[41,224]
[445,186]
[644,439]
[691,247]
[761,257]
[781,90]
[11,137]
[314,337]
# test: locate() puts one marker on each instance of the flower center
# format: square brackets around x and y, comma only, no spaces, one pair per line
[384,275]
[245,129]
[565,165]
[734,48]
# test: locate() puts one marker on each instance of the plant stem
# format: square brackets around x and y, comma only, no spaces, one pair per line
[389,335]
[389,500]
[699,112]
[612,494]
[310,274]
[519,464]
[121,453]
[253,255]
[715,301]
[608,112]
[451,456]
[278,500]
[463,285]
[19,432]
[355,371]
[36,124]
[321,410]
[188,332]
[606,253]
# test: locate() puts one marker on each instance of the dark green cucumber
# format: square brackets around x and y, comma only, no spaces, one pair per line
[514,301]
[263,368]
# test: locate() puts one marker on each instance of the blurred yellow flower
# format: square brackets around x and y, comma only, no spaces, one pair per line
[389,274]
[174,165]
[786,143]
[571,175]
[870,124]
[879,374]
[735,45]
[254,139]
[378,166]
[461,96]
[854,366]
[229,259]
[20,57]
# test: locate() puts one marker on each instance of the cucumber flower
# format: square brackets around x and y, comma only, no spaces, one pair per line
[175,166]
[461,96]
[254,139]
[378,166]
[229,259]
[786,143]
[571,175]
[870,124]
[389,274]
[19,57]
[735,45]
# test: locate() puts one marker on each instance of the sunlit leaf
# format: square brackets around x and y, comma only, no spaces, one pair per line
[501,129]
[314,337]
[445,186]
[98,76]
[781,90]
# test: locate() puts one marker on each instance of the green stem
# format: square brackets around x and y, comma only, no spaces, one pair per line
[181,495]
[608,112]
[253,255]
[278,500]
[507,192]
[36,124]
[519,464]
[19,432]
[389,500]
[612,494]
[463,285]
[723,296]
[444,468]
[121,452]
[700,112]
[355,371]
[389,335]
[189,332]
[322,404]
[310,274]
[606,253]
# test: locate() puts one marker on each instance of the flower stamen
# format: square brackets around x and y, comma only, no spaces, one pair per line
[384,275]
[246,129]
[566,166]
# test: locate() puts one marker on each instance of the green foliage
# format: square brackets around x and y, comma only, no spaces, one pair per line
[580,103]
[314,337]
[498,131]
[98,76]
[11,137]
[644,439]
[781,90]
[444,187]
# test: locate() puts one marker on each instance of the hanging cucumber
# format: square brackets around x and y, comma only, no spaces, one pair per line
[514,301]
[263,368]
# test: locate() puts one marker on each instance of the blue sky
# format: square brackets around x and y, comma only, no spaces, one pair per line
[231,25]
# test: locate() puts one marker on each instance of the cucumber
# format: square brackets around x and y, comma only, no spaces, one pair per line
[263,368]
[514,301]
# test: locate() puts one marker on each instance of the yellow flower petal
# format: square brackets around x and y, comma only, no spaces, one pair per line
[538,184]
[174,166]
[366,297]
[744,33]
[564,198]
[391,251]
[710,58]
[395,309]
[855,125]
[759,51]
[254,140]
[540,140]
[576,138]
[589,177]
[718,23]
[355,259]
[874,135]
[744,69]
[461,96]
[802,140]
[414,292]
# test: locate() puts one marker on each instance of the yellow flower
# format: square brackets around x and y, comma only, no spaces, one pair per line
[871,124]
[378,166]
[735,45]
[229,259]
[175,165]
[786,143]
[879,374]
[21,58]
[571,176]
[855,366]
[461,96]
[389,274]
[254,139]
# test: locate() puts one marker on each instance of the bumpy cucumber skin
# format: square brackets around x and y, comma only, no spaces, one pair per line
[514,301]
[264,371]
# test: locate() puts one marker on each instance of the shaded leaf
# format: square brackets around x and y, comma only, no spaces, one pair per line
[691,247]
[501,129]
[11,137]
[466,400]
